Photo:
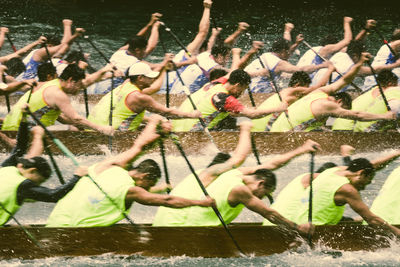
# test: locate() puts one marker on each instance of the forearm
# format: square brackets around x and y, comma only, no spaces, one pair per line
[311,68]
[156,85]
[143,32]
[283,159]
[231,39]
[381,162]
[259,113]
[153,39]
[27,48]
[179,202]
[274,217]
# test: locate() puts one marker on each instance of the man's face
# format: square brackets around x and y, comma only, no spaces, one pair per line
[140,53]
[362,181]
[73,87]
[222,59]
[238,89]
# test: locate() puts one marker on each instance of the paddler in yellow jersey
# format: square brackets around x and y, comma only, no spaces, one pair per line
[233,188]
[299,86]
[131,99]
[50,99]
[336,187]
[220,101]
[372,101]
[87,206]
[311,111]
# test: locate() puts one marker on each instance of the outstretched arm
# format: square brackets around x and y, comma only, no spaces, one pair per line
[144,197]
[204,27]
[369,25]
[239,156]
[348,77]
[243,195]
[383,161]
[146,137]
[350,195]
[154,18]
[283,159]
[231,39]
[3,32]
[330,49]
[23,50]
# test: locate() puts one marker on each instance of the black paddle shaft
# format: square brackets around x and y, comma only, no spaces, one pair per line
[310,200]
[178,145]
[379,86]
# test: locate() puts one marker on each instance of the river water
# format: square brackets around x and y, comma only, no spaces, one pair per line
[109,26]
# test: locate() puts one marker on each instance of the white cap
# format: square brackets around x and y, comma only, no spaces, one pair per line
[141,68]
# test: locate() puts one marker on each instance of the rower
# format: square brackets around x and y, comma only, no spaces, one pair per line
[51,99]
[343,62]
[131,99]
[336,187]
[87,206]
[311,112]
[372,102]
[135,50]
[329,46]
[53,48]
[275,63]
[289,197]
[384,56]
[299,86]
[233,188]
[21,176]
[182,59]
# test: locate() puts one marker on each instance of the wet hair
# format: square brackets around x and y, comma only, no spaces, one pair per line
[325,166]
[279,45]
[52,39]
[361,164]
[75,56]
[15,66]
[217,73]
[386,77]
[220,50]
[395,35]
[267,176]
[44,70]
[355,48]
[137,42]
[74,72]
[346,99]
[239,76]
[41,165]
[301,78]
[328,39]
[219,158]
[150,167]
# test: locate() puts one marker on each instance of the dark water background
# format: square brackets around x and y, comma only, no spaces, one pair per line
[110,25]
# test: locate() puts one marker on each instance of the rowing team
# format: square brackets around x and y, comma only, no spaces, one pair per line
[315,92]
[103,194]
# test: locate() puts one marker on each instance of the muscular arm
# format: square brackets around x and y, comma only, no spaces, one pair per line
[144,197]
[333,109]
[147,102]
[330,49]
[284,66]
[239,155]
[348,194]
[241,194]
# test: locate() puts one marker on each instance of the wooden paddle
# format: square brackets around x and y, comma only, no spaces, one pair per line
[175,139]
